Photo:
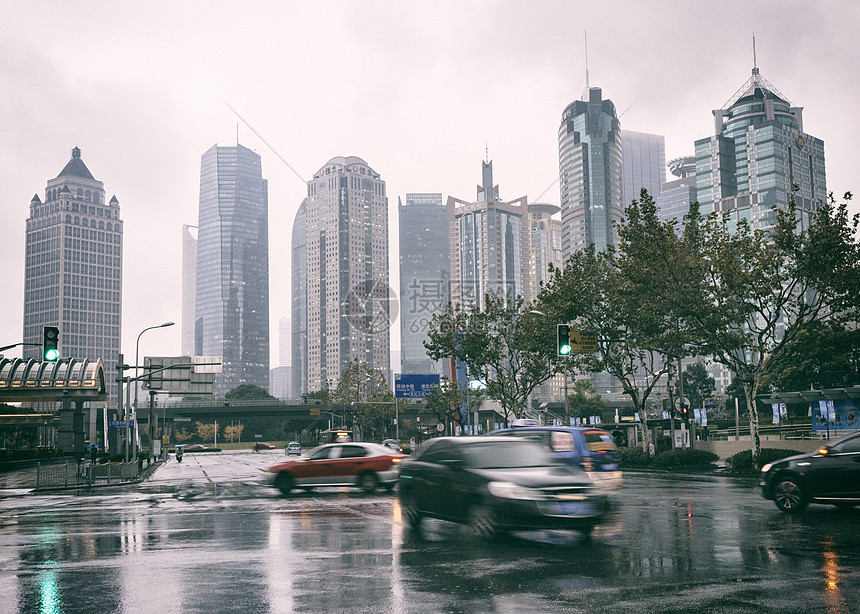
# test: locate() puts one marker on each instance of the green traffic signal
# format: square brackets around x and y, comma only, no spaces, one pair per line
[563,341]
[50,343]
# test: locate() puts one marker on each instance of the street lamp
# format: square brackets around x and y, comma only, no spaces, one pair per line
[136,374]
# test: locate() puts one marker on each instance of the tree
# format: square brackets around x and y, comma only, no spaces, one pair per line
[206,432]
[821,354]
[365,391]
[248,391]
[181,435]
[743,294]
[510,350]
[584,401]
[447,399]
[234,431]
[698,384]
[606,293]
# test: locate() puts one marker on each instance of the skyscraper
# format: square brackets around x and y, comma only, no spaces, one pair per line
[677,194]
[232,296]
[344,300]
[644,164]
[544,244]
[189,287]
[757,156]
[425,274]
[73,274]
[299,303]
[589,172]
[489,241]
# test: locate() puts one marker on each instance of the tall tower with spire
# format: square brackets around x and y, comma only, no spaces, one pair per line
[73,271]
[759,158]
[489,241]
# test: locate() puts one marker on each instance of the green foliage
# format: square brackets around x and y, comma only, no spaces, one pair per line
[584,400]
[683,458]
[698,384]
[503,344]
[633,458]
[248,391]
[629,458]
[446,399]
[365,392]
[742,462]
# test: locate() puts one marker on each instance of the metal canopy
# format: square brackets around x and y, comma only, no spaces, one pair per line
[847,393]
[35,380]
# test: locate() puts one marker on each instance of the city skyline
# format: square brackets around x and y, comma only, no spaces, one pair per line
[63,90]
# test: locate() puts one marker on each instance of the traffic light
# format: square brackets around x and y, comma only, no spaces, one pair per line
[684,404]
[563,344]
[50,340]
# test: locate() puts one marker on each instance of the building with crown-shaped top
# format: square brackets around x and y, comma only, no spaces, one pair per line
[73,269]
[759,158]
[489,241]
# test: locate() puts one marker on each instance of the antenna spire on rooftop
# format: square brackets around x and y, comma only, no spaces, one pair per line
[586,61]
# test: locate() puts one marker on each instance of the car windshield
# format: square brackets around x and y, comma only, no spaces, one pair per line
[505,455]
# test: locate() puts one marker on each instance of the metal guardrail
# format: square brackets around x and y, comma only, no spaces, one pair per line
[84,474]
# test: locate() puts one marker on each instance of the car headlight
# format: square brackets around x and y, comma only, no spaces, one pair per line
[767,468]
[509,490]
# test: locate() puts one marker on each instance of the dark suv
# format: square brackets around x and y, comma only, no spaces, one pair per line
[830,475]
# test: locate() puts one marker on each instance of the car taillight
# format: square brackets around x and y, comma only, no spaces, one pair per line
[396,460]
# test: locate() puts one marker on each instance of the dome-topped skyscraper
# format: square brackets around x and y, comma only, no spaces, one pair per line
[759,158]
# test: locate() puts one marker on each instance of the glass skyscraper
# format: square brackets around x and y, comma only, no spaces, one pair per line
[589,173]
[73,274]
[644,164]
[757,156]
[232,286]
[425,274]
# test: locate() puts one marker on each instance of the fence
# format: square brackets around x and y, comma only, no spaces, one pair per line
[84,474]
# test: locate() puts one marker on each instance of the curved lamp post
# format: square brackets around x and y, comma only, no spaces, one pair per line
[136,374]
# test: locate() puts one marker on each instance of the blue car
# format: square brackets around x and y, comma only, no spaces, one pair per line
[591,449]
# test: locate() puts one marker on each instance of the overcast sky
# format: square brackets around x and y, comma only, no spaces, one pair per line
[416,89]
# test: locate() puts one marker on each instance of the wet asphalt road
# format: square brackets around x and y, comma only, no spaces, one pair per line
[207,536]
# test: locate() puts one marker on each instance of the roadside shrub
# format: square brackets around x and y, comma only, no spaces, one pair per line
[678,458]
[742,461]
[671,459]
[633,457]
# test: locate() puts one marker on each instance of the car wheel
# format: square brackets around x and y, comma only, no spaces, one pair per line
[367,482]
[284,482]
[788,494]
[482,520]
[409,503]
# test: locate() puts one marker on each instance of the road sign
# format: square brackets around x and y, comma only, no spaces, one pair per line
[581,341]
[414,386]
[119,424]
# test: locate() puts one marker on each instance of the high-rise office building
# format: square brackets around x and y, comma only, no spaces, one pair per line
[589,173]
[189,287]
[544,244]
[344,297]
[677,194]
[643,158]
[489,241]
[280,377]
[757,156]
[299,304]
[232,289]
[73,274]
[425,273]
